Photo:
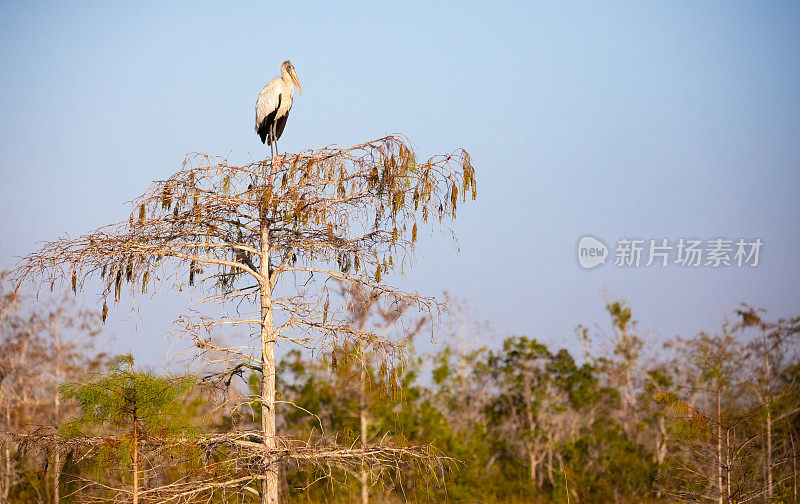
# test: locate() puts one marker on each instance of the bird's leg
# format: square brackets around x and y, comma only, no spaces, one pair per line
[271,136]
[274,138]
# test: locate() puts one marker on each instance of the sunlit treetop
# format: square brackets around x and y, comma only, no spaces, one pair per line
[344,214]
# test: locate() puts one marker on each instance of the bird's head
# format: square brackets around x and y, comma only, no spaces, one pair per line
[288,69]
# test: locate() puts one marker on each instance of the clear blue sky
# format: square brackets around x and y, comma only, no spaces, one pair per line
[617,119]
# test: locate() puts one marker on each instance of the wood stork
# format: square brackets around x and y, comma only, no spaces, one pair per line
[273,105]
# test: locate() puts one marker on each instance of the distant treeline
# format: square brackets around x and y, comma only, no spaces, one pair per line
[711,418]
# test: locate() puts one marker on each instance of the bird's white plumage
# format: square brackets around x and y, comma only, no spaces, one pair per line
[268,99]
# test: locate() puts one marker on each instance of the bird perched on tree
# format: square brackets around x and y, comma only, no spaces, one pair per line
[273,105]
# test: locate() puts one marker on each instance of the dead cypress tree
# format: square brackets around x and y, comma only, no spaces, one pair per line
[262,242]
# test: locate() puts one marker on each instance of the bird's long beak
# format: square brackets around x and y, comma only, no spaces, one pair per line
[297,82]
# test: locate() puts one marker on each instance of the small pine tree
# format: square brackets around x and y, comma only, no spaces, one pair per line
[140,403]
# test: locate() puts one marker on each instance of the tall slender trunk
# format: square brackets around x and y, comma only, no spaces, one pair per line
[135,461]
[533,463]
[540,479]
[794,464]
[269,485]
[56,411]
[768,461]
[56,476]
[661,453]
[531,426]
[728,464]
[767,400]
[719,442]
[5,479]
[363,418]
[6,474]
[7,459]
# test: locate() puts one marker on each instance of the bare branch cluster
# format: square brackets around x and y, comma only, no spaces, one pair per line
[225,463]
[345,214]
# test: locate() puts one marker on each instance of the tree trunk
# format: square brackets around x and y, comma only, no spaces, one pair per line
[135,461]
[719,442]
[56,476]
[540,479]
[6,459]
[531,426]
[363,419]
[533,464]
[661,453]
[768,372]
[769,454]
[728,464]
[56,408]
[794,464]
[6,473]
[269,485]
